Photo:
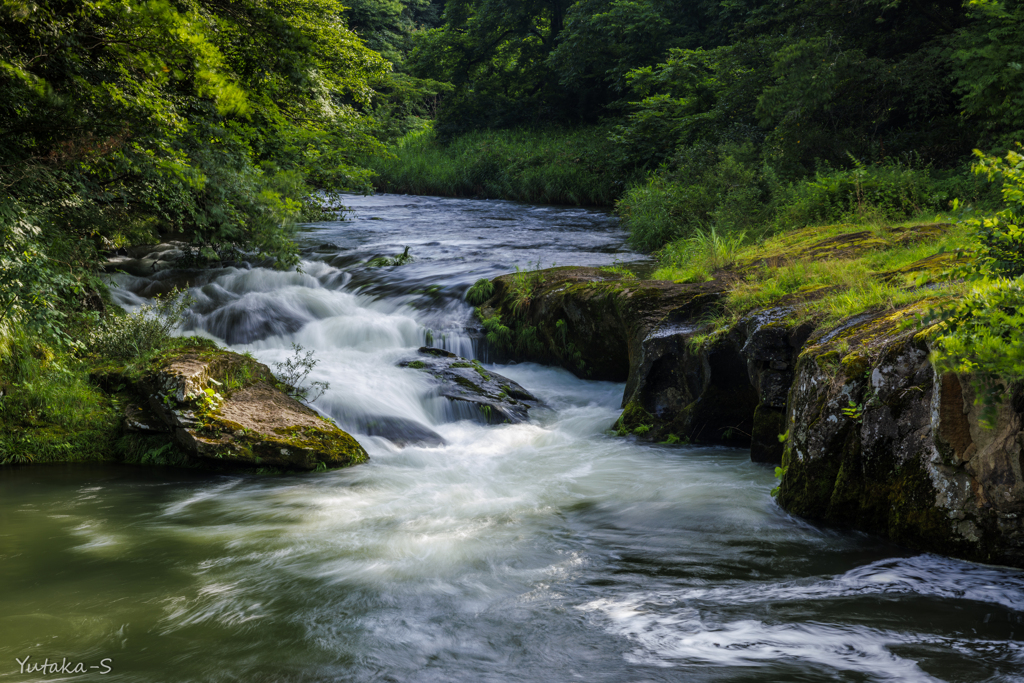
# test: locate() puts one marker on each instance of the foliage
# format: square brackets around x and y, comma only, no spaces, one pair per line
[481,291]
[132,335]
[293,372]
[522,288]
[518,339]
[989,69]
[889,190]
[124,120]
[999,251]
[545,166]
[729,196]
[982,340]
[48,409]
[980,332]
[780,475]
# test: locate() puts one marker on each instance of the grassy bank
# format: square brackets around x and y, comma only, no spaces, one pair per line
[824,273]
[741,200]
[51,409]
[547,167]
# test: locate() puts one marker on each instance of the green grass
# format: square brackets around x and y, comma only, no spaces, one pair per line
[551,166]
[49,410]
[737,199]
[827,273]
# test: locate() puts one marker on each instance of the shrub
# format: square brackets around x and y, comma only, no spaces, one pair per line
[481,291]
[981,336]
[1000,237]
[731,196]
[889,191]
[135,334]
[293,372]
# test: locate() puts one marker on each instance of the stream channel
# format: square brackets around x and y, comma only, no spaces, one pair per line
[548,551]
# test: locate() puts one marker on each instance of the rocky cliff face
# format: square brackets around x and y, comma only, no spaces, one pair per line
[868,435]
[878,441]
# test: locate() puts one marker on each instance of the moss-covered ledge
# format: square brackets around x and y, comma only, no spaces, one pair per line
[590,321]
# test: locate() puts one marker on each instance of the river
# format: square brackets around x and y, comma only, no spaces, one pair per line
[547,551]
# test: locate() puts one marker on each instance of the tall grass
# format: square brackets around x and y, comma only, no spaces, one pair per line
[49,411]
[543,166]
[735,196]
[696,258]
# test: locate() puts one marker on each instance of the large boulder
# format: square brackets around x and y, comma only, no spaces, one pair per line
[601,324]
[228,410]
[877,440]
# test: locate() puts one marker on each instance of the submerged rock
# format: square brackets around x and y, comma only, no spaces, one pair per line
[401,431]
[228,410]
[487,396]
[146,260]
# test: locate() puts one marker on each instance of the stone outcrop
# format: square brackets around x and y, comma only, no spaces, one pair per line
[868,435]
[145,260]
[482,395]
[229,411]
[601,325]
[877,440]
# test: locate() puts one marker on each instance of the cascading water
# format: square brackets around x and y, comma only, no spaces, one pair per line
[545,551]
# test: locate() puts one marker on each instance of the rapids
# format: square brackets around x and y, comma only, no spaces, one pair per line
[546,551]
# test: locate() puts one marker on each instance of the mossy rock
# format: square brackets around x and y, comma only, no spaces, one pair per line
[494,399]
[228,411]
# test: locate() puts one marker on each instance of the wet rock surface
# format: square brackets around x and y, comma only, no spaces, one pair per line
[146,260]
[402,431]
[475,392]
[879,441]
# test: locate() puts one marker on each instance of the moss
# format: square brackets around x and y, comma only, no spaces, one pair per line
[828,361]
[468,384]
[338,448]
[854,366]
[634,417]
[480,371]
[769,424]
[416,365]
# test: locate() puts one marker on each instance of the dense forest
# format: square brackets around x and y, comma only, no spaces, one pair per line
[228,124]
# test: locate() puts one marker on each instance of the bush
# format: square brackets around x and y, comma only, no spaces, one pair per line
[890,191]
[730,196]
[132,335]
[1000,238]
[544,166]
[982,335]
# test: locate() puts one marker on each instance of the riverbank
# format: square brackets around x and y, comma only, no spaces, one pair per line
[815,349]
[575,167]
